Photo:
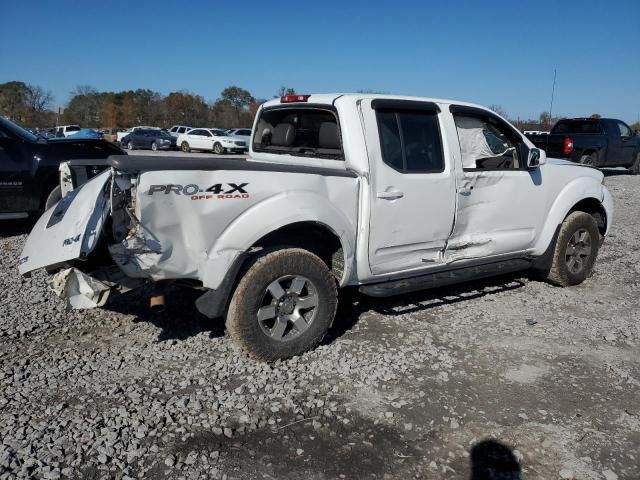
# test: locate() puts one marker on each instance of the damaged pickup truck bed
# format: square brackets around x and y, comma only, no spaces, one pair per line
[390,194]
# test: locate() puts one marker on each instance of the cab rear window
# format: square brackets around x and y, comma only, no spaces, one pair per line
[305,132]
[577,126]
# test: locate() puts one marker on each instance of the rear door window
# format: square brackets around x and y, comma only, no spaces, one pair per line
[410,141]
[300,131]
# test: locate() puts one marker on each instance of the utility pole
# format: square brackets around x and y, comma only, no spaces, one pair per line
[553,91]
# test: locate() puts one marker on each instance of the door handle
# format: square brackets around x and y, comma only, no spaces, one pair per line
[465,190]
[390,195]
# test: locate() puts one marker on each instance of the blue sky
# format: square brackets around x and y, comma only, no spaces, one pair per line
[488,52]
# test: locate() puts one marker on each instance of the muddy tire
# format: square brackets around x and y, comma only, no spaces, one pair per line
[575,251]
[635,168]
[54,197]
[283,304]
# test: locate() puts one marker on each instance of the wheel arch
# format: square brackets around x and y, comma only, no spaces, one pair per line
[312,222]
[583,194]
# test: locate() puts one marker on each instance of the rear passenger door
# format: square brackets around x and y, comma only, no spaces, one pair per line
[412,185]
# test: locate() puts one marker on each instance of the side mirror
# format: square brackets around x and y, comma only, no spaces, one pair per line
[534,159]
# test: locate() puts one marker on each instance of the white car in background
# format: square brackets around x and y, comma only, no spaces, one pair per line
[244,133]
[212,140]
[66,130]
[176,130]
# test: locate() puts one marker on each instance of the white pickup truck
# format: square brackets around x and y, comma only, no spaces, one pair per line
[390,194]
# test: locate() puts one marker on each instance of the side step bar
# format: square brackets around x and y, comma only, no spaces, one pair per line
[443,278]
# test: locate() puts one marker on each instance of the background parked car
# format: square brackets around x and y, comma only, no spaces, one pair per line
[178,129]
[86,133]
[244,133]
[212,140]
[66,130]
[149,138]
[29,175]
[598,142]
[124,132]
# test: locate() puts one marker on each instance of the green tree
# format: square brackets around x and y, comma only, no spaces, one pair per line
[26,104]
[237,99]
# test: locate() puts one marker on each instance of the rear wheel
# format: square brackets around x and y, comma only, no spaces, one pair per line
[130,146]
[217,148]
[575,251]
[635,168]
[184,146]
[591,159]
[154,147]
[283,305]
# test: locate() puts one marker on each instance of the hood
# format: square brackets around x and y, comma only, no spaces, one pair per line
[586,170]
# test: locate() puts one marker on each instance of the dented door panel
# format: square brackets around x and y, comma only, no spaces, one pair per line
[498,212]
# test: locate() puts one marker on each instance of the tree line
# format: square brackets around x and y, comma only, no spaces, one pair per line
[31,106]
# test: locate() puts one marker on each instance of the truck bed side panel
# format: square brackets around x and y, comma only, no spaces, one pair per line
[195,223]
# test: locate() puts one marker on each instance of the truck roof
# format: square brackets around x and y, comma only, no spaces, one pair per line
[330,98]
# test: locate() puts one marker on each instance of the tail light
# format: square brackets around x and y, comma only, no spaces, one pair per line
[567,147]
[294,98]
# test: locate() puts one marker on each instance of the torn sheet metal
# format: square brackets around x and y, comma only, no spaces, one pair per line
[80,290]
[137,255]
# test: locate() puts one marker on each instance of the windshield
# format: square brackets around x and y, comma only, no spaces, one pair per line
[17,130]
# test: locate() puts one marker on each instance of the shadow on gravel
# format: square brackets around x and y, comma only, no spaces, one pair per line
[359,449]
[11,228]
[352,304]
[179,321]
[182,320]
[615,172]
[492,460]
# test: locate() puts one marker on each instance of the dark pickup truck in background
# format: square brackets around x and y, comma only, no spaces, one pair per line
[599,142]
[29,175]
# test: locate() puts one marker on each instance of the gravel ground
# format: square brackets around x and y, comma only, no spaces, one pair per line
[531,380]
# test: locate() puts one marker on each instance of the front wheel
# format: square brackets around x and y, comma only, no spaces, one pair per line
[154,147]
[130,146]
[185,147]
[217,149]
[575,251]
[283,305]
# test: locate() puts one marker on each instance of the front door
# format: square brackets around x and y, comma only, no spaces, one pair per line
[621,144]
[412,185]
[501,204]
